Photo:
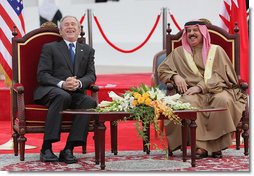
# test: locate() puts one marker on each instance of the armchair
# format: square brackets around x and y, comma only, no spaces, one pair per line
[231,44]
[28,117]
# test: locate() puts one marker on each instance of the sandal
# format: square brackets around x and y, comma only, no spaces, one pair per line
[217,154]
[201,153]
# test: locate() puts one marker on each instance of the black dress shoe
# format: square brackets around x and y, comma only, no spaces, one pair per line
[217,154]
[202,154]
[48,156]
[67,157]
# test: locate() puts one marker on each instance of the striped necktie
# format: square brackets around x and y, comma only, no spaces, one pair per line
[72,54]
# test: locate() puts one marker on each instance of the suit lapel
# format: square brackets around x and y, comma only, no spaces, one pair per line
[65,52]
[78,56]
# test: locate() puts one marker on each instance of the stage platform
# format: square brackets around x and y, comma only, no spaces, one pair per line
[118,83]
[4,101]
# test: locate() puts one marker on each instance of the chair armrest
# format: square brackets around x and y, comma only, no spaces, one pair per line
[93,88]
[18,88]
[18,104]
[171,88]
[243,85]
[94,91]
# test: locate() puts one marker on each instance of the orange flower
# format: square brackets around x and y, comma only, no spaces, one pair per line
[136,95]
[148,101]
[141,100]
[146,95]
[135,102]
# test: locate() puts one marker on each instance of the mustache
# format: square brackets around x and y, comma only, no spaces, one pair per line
[192,35]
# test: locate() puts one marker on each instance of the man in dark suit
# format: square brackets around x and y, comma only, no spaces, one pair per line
[65,70]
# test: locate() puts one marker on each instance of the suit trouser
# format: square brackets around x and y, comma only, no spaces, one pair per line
[57,100]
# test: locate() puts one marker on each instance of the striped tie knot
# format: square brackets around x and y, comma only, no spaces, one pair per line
[72,54]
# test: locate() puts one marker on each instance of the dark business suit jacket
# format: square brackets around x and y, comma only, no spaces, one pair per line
[55,66]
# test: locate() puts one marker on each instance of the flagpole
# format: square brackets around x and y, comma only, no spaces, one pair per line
[89,25]
[164,26]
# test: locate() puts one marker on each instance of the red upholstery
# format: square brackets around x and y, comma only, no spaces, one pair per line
[226,44]
[28,61]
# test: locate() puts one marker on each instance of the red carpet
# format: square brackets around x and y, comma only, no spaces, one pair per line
[133,161]
[4,102]
[125,142]
[119,83]
[130,156]
[123,80]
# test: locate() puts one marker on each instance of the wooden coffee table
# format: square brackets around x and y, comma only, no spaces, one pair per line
[102,117]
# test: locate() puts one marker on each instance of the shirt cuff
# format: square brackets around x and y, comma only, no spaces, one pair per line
[60,84]
[80,84]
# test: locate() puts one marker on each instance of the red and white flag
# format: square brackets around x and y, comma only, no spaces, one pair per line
[10,16]
[235,11]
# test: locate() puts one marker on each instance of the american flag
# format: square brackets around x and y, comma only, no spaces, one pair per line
[10,16]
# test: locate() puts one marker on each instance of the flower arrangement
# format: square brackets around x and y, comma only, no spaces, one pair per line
[145,105]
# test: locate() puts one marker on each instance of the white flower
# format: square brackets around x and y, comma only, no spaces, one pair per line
[175,97]
[114,96]
[152,93]
[174,102]
[171,99]
[104,103]
[127,101]
[160,94]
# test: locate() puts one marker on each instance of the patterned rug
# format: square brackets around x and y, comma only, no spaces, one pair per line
[131,161]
